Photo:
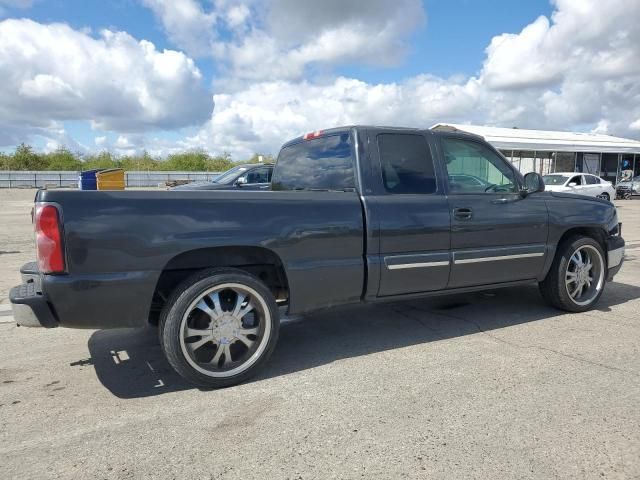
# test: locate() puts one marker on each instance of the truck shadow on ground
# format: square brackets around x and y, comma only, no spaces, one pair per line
[130,362]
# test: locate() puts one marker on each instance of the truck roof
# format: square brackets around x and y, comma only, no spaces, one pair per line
[347,128]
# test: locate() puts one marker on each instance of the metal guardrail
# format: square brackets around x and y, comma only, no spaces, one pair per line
[40,179]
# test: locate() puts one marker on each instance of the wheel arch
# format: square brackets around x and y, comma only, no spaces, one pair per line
[261,262]
[598,233]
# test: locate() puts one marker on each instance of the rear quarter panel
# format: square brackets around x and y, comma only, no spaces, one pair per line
[117,244]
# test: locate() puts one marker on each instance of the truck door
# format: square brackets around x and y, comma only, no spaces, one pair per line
[497,235]
[410,213]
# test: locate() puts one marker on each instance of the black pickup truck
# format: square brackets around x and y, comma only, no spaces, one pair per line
[354,214]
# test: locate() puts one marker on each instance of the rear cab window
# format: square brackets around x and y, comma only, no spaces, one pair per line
[321,163]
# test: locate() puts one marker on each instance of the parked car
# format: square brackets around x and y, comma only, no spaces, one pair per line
[580,184]
[626,189]
[253,176]
[355,214]
[467,182]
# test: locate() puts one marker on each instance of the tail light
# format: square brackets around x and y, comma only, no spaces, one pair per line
[49,247]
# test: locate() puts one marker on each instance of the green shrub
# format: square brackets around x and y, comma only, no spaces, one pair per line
[25,158]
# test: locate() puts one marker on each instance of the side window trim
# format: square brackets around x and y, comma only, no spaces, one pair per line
[516,174]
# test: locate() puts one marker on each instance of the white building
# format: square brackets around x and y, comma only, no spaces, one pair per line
[612,158]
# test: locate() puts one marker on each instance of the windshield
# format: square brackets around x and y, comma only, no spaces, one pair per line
[230,175]
[554,179]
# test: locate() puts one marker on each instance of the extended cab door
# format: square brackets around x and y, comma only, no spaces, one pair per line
[408,210]
[497,235]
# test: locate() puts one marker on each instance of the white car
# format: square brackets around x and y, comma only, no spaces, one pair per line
[580,184]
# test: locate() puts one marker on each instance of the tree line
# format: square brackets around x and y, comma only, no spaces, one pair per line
[26,158]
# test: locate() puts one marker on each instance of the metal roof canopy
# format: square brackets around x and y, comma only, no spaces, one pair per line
[545,141]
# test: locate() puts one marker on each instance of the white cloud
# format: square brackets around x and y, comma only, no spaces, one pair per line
[578,70]
[294,36]
[281,39]
[54,73]
[266,114]
[186,23]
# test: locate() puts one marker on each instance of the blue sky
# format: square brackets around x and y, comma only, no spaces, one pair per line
[449,43]
[275,68]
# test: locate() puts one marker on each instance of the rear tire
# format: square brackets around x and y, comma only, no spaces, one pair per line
[219,327]
[577,276]
[604,196]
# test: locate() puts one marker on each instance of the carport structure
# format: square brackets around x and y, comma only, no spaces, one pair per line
[542,151]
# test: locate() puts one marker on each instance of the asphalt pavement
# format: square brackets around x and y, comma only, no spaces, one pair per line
[490,385]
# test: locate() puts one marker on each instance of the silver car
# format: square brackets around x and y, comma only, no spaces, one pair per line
[628,188]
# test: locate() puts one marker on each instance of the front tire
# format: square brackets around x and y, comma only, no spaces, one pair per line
[577,276]
[219,327]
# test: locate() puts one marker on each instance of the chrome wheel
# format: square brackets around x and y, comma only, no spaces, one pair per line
[604,196]
[225,330]
[584,278]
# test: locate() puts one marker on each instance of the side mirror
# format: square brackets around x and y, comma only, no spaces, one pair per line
[241,181]
[533,183]
[572,184]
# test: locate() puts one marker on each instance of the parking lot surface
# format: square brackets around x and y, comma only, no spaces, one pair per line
[489,385]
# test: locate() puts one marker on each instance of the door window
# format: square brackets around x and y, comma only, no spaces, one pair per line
[474,168]
[591,180]
[259,175]
[407,165]
[577,180]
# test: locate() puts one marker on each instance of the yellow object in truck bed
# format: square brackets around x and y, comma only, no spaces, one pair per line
[112,179]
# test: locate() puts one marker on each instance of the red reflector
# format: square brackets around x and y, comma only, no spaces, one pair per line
[49,239]
[311,135]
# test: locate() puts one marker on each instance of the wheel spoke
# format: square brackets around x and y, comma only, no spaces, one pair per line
[246,310]
[577,259]
[215,298]
[239,301]
[574,294]
[249,331]
[197,344]
[205,308]
[216,358]
[198,332]
[227,354]
[244,339]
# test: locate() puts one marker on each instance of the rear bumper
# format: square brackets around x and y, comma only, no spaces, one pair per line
[615,255]
[30,307]
[30,273]
[104,300]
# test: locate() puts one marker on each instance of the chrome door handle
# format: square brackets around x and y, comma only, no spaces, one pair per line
[463,213]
